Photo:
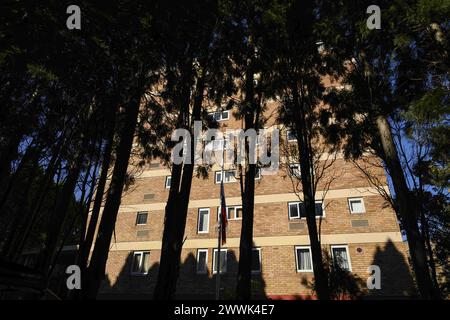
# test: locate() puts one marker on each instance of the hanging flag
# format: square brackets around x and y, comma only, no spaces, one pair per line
[223,214]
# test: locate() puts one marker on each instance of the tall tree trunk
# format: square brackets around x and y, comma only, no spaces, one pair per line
[243,288]
[303,128]
[426,234]
[86,245]
[96,270]
[59,215]
[409,211]
[177,209]
[244,278]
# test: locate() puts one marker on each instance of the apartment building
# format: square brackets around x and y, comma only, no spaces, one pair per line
[357,228]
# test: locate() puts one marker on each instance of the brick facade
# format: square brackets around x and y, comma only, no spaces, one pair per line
[372,237]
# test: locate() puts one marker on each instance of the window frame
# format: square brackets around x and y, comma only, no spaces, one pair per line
[260,261]
[238,206]
[137,218]
[291,171]
[214,261]
[221,118]
[258,173]
[296,259]
[198,220]
[299,211]
[168,178]
[141,253]
[224,171]
[350,207]
[287,136]
[206,261]
[338,246]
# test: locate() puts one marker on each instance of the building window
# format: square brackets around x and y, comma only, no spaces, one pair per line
[217,145]
[141,262]
[258,174]
[168,181]
[297,210]
[203,220]
[341,257]
[290,134]
[202,261]
[223,261]
[230,176]
[141,218]
[319,209]
[356,205]
[256,260]
[219,115]
[294,170]
[303,259]
[233,212]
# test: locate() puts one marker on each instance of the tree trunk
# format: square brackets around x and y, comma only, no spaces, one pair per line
[85,246]
[244,278]
[409,211]
[303,129]
[59,215]
[96,270]
[244,284]
[176,211]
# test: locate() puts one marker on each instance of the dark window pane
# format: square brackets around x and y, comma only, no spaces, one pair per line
[136,263]
[302,210]
[141,218]
[293,210]
[256,265]
[319,210]
[201,264]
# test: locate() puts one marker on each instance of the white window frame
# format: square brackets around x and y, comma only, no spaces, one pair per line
[298,210]
[296,259]
[260,261]
[224,171]
[258,173]
[337,246]
[362,203]
[323,209]
[291,170]
[206,262]
[229,207]
[213,114]
[168,178]
[141,254]
[214,261]
[137,215]
[287,136]
[198,220]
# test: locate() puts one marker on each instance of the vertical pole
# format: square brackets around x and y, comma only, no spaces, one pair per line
[219,228]
[219,240]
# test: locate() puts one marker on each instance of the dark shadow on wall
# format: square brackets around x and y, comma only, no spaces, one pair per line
[128,285]
[190,285]
[395,277]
